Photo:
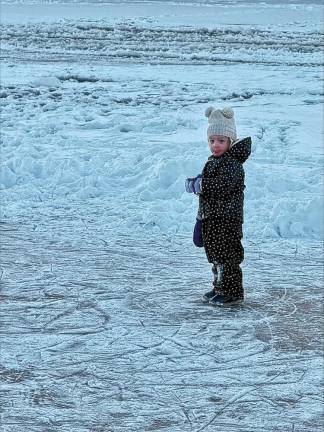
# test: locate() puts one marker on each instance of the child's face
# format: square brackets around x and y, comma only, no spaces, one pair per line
[218,144]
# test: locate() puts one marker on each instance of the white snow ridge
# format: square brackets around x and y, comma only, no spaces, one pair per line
[102,121]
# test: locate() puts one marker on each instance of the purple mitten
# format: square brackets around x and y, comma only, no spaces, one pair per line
[197,234]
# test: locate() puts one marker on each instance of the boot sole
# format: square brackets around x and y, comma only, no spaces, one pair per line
[228,304]
[205,299]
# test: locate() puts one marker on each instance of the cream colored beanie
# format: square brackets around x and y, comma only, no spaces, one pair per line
[221,122]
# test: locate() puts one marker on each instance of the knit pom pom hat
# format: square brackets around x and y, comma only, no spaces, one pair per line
[221,122]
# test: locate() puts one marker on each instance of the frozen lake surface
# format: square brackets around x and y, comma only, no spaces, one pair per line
[110,334]
[102,120]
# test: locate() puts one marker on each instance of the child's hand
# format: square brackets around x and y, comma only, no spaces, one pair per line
[193,184]
[190,184]
[197,185]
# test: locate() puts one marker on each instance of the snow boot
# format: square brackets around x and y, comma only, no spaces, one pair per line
[223,300]
[208,296]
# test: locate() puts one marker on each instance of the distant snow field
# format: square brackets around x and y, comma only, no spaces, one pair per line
[109,112]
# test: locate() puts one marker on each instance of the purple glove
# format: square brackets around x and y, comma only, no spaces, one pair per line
[193,184]
[197,234]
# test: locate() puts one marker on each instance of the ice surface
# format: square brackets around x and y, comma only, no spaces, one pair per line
[106,331]
[102,120]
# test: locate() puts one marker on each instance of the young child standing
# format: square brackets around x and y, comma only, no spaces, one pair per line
[221,198]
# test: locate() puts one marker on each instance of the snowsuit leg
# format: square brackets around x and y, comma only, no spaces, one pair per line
[218,270]
[224,250]
[228,280]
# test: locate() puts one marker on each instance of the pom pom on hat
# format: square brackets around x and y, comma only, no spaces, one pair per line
[225,112]
[221,122]
[209,111]
[228,112]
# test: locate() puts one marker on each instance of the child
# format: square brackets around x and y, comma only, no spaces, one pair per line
[221,197]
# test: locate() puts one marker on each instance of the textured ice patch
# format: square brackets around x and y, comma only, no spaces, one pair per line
[45,81]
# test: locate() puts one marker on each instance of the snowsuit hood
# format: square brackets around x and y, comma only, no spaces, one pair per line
[241,149]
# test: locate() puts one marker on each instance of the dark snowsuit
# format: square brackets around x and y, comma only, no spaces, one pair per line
[221,209]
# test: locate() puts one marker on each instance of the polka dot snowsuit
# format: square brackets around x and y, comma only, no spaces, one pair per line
[221,209]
